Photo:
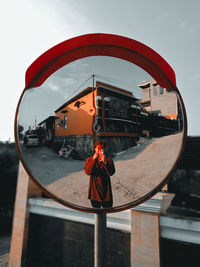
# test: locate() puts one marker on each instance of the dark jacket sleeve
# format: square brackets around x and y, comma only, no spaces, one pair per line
[89,165]
[109,167]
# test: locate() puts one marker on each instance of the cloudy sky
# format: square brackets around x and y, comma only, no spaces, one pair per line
[30,27]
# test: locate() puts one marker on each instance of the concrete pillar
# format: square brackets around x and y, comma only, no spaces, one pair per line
[25,188]
[145,231]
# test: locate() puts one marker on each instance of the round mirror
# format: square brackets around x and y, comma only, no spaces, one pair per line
[100,132]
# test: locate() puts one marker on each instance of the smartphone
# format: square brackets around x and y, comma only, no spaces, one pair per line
[100,151]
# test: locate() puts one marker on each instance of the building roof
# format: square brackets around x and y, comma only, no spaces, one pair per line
[146,101]
[49,118]
[144,85]
[113,88]
[76,97]
[99,85]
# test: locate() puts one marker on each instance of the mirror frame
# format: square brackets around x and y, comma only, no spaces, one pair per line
[99,44]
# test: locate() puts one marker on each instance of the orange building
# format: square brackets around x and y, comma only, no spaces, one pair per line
[102,111]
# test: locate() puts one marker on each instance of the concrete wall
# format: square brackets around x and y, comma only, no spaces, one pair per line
[57,242]
[140,237]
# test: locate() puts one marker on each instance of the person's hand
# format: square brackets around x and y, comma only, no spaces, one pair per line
[96,155]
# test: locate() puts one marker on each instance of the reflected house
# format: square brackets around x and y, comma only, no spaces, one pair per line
[48,126]
[100,112]
[163,107]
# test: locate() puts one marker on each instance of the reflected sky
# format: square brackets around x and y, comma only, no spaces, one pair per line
[41,102]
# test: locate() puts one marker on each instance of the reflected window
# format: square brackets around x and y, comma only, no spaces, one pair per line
[118,109]
[161,90]
[155,89]
[59,122]
[65,122]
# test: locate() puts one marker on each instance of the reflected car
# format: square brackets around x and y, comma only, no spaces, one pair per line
[31,140]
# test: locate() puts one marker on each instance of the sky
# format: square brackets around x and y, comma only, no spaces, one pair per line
[30,27]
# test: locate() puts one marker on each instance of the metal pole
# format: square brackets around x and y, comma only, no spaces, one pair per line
[100,240]
[93,82]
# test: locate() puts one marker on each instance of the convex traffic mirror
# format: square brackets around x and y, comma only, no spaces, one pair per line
[100,122]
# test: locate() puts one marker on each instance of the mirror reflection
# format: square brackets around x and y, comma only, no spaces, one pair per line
[100,132]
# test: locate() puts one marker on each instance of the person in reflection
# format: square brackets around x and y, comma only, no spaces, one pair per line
[100,168]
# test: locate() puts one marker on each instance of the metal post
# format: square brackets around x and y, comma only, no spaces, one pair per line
[100,240]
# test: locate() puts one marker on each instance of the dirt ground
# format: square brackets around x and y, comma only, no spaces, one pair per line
[138,170]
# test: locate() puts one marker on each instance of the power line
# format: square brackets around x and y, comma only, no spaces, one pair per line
[116,80]
[125,84]
[80,86]
[105,78]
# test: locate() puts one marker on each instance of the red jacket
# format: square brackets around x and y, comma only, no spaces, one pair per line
[99,184]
